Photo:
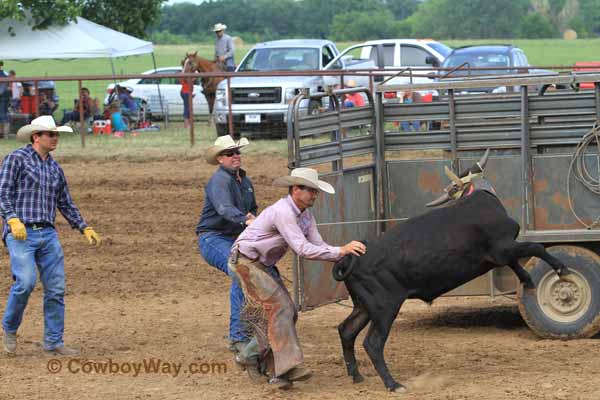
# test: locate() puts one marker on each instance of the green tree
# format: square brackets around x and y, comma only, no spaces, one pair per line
[454,19]
[590,13]
[131,17]
[361,25]
[401,8]
[317,15]
[536,26]
[43,13]
[182,19]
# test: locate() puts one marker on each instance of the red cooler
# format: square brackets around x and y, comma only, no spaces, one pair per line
[28,105]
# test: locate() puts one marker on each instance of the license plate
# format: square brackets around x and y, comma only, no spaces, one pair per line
[252,118]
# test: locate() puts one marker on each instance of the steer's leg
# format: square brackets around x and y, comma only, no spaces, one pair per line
[525,249]
[349,330]
[522,274]
[376,338]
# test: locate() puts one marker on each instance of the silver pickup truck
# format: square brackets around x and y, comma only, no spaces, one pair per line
[259,104]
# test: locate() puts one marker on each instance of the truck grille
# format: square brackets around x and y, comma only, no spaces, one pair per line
[256,95]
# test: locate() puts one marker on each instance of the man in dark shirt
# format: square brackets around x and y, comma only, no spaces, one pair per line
[4,101]
[229,206]
[32,187]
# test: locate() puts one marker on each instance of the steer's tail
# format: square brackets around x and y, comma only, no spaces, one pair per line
[343,268]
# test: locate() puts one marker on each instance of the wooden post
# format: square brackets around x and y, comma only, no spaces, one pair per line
[191,111]
[81,126]
[229,110]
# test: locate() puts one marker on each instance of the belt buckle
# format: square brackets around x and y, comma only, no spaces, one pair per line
[36,227]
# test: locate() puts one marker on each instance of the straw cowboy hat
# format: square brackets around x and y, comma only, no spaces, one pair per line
[351,83]
[45,123]
[304,177]
[219,27]
[222,144]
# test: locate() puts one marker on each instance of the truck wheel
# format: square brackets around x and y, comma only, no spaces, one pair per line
[563,308]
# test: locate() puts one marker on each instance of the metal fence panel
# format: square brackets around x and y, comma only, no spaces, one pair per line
[504,173]
[523,130]
[552,210]
[412,184]
[354,200]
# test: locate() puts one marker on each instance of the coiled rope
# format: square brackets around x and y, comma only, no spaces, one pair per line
[580,172]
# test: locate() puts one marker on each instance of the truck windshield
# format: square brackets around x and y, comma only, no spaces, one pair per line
[440,48]
[281,59]
[484,60]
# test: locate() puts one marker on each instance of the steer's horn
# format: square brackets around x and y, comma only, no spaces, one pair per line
[484,159]
[453,177]
[440,200]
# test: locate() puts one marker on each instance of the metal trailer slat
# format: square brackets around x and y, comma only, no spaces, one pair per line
[546,126]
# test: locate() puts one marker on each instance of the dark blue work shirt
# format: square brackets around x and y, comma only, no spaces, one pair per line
[226,203]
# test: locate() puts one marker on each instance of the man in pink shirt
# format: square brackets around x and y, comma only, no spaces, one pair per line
[287,223]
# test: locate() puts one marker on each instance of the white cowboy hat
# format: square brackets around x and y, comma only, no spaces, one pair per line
[219,27]
[221,144]
[45,123]
[304,177]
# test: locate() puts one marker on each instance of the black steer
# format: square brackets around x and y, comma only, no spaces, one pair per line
[427,256]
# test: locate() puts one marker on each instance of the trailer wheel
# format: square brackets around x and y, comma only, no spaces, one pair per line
[563,308]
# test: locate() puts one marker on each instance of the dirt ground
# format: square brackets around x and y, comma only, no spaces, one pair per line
[147,295]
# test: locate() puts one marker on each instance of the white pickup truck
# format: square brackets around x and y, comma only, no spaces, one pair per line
[259,104]
[390,55]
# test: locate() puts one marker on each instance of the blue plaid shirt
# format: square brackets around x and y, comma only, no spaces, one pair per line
[31,189]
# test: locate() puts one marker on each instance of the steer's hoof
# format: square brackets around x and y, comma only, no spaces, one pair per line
[398,388]
[358,378]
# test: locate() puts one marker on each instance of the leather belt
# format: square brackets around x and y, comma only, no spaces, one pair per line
[36,226]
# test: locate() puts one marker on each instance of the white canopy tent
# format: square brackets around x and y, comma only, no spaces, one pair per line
[81,39]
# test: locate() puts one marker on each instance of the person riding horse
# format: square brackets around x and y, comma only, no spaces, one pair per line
[194,63]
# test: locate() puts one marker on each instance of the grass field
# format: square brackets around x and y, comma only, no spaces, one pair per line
[174,142]
[539,52]
[167,144]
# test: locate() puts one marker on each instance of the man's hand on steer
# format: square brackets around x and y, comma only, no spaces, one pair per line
[354,247]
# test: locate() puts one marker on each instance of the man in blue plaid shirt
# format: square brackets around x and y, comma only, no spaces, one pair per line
[32,187]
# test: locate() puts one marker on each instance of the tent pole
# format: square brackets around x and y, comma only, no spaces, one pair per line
[112,66]
[162,109]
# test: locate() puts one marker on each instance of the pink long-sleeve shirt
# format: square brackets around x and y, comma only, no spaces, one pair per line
[280,226]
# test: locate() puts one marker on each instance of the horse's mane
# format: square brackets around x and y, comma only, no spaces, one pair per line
[194,63]
[201,64]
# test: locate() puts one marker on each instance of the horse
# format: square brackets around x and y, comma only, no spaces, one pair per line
[194,63]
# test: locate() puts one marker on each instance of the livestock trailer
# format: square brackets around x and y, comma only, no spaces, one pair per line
[544,166]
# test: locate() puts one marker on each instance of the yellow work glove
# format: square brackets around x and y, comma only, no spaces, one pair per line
[17,228]
[92,236]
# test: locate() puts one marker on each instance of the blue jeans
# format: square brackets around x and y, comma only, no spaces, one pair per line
[186,104]
[229,65]
[409,126]
[40,252]
[215,249]
[4,101]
